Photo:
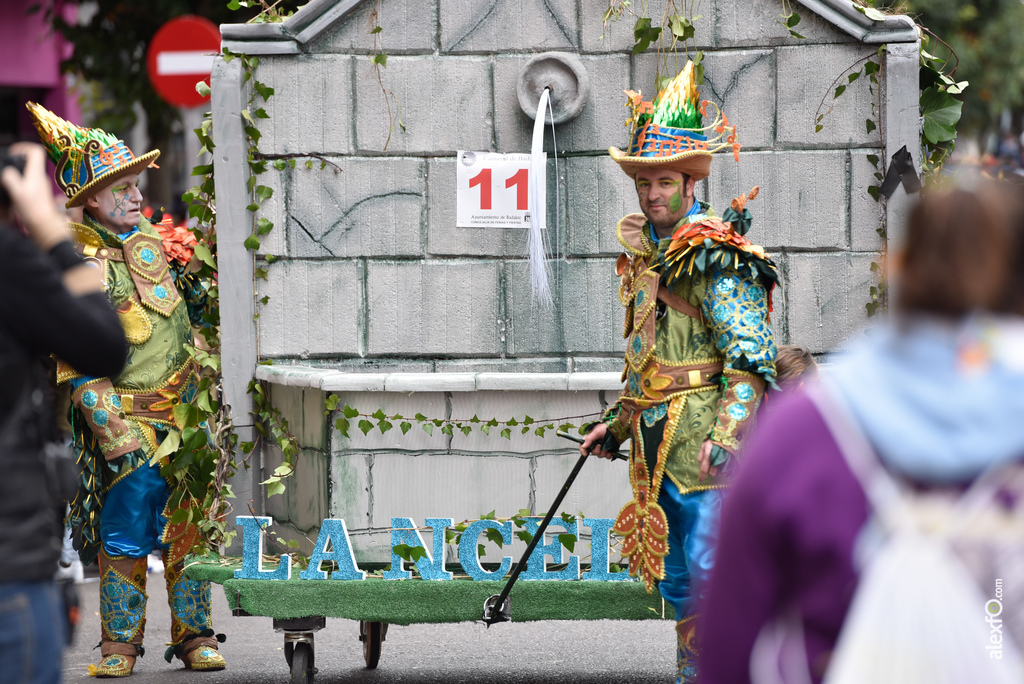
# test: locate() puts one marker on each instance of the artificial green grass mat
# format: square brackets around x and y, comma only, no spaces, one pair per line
[414,601]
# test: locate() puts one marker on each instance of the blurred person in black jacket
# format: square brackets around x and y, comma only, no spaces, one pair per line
[52,303]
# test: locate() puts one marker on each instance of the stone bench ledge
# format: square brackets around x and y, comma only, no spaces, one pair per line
[332,380]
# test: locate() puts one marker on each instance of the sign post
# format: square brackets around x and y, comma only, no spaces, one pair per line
[181,54]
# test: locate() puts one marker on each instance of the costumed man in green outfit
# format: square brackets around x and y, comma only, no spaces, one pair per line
[120,514]
[699,352]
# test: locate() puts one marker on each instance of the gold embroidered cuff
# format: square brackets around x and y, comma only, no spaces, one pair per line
[101,406]
[740,398]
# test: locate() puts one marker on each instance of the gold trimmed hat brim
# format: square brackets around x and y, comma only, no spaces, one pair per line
[694,163]
[137,165]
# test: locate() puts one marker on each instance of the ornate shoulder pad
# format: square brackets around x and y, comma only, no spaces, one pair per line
[84,235]
[630,232]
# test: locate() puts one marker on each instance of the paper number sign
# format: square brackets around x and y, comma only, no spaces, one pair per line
[493,190]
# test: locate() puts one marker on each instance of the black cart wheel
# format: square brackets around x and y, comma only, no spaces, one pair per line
[371,634]
[302,663]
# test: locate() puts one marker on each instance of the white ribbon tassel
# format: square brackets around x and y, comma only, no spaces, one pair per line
[538,213]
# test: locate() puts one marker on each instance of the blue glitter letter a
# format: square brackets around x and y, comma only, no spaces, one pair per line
[333,531]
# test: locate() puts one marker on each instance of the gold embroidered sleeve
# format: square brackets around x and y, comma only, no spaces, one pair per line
[101,406]
[741,395]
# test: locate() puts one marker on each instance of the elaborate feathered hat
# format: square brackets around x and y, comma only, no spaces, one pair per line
[86,158]
[669,132]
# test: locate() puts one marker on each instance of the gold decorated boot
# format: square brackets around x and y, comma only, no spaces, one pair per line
[192,637]
[122,614]
[686,650]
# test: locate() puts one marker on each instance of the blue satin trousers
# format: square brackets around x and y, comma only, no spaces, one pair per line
[132,519]
[692,537]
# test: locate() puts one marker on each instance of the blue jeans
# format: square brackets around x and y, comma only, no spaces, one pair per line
[31,633]
[692,537]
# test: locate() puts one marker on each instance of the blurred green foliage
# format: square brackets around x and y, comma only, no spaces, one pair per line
[987,37]
[110,51]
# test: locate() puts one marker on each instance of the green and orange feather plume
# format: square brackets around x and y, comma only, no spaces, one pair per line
[52,128]
[677,104]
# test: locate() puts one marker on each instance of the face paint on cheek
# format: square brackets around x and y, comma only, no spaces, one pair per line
[120,196]
[675,200]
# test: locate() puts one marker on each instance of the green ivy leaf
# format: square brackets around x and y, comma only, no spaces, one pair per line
[873,159]
[381,59]
[793,19]
[871,68]
[167,447]
[384,426]
[568,541]
[941,112]
[506,433]
[342,425]
[817,128]
[205,255]
[275,488]
[854,76]
[264,192]
[524,536]
[251,242]
[405,427]
[681,28]
[350,412]
[512,422]
[486,429]
[428,428]
[495,536]
[447,429]
[185,416]
[332,401]
[869,125]
[260,273]
[378,414]
[875,192]
[839,91]
[365,426]
[526,421]
[466,430]
[420,417]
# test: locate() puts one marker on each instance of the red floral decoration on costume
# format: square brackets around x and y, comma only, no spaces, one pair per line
[179,242]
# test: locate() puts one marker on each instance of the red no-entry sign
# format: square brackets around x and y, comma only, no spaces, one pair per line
[180,55]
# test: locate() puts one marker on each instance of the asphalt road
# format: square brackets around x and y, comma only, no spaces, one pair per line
[566,652]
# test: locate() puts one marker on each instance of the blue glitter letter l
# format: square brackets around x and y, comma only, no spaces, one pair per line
[252,551]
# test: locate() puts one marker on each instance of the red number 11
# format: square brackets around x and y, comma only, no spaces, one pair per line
[519,180]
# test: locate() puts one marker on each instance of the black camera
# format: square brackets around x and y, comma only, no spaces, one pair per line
[18,162]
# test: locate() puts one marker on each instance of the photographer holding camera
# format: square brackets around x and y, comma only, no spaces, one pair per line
[53,303]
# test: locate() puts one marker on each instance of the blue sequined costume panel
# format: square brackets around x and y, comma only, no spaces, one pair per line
[736,309]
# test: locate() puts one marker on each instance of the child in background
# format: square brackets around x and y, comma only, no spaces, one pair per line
[795,366]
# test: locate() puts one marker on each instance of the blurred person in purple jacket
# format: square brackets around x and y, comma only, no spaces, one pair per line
[937,393]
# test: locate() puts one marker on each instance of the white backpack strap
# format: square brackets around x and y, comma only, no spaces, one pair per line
[883,492]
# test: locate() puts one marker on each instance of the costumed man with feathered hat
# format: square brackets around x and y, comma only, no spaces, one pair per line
[699,351]
[121,513]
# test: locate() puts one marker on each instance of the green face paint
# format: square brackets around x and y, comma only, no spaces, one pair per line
[675,201]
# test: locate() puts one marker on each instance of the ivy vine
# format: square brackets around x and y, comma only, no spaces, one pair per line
[379,420]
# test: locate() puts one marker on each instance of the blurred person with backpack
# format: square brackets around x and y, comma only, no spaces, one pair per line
[874,513]
[53,303]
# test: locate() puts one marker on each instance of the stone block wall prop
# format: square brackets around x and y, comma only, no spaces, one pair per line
[369,265]
[368,275]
